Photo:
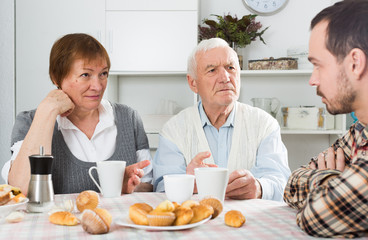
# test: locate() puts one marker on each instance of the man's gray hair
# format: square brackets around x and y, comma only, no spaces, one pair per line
[203,46]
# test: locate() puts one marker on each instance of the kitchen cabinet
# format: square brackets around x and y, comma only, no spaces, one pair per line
[148,35]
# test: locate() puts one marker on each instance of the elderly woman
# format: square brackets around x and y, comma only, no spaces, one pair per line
[77,126]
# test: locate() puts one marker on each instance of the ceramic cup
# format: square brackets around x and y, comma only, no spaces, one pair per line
[179,187]
[111,176]
[211,182]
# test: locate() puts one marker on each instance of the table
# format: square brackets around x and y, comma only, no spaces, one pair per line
[264,220]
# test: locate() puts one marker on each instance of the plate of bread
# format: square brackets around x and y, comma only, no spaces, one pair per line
[171,216]
[128,223]
[11,198]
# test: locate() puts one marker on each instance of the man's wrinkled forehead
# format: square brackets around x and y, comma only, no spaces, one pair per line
[216,56]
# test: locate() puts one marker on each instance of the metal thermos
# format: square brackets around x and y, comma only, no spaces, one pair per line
[40,189]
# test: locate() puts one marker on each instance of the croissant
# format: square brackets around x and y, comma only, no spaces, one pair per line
[63,218]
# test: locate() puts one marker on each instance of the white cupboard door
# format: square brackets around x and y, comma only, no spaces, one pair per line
[150,40]
[39,24]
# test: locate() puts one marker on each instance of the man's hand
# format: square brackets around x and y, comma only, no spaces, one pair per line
[197,162]
[243,185]
[133,175]
[329,161]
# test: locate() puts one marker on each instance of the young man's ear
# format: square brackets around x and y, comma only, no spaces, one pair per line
[358,63]
[192,83]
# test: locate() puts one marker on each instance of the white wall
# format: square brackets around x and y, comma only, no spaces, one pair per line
[7,77]
[287,28]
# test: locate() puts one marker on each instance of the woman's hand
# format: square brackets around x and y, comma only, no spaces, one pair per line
[58,102]
[133,175]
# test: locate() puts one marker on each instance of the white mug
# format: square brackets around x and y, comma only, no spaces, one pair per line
[179,187]
[111,176]
[211,182]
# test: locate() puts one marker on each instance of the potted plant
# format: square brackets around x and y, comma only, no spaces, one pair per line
[237,32]
[240,32]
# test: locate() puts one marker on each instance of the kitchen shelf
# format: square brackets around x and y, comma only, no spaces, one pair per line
[283,131]
[306,131]
[153,73]
[255,73]
[280,73]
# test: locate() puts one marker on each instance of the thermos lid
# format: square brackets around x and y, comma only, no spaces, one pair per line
[41,164]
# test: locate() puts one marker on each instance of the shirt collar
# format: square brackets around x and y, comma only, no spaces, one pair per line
[363,129]
[106,118]
[205,121]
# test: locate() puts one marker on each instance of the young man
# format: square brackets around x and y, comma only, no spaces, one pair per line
[331,193]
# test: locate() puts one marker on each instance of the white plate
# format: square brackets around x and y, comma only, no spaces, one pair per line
[5,210]
[128,223]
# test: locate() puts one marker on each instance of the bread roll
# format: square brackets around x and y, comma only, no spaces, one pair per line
[200,212]
[215,204]
[138,213]
[183,216]
[234,218]
[87,200]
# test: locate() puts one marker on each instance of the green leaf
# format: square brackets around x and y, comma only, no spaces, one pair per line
[210,23]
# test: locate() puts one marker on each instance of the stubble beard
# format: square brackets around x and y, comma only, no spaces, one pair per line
[345,96]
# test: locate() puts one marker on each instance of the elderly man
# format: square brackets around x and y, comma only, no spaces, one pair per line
[331,192]
[219,131]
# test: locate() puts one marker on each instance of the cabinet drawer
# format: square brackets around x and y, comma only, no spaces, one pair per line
[150,40]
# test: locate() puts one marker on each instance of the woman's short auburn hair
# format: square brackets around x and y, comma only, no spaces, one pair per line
[71,47]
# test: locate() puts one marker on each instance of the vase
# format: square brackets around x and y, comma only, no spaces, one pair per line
[240,56]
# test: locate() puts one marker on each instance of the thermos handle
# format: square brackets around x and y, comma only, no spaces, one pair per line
[93,179]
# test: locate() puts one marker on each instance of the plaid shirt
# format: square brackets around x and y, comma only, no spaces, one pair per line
[339,206]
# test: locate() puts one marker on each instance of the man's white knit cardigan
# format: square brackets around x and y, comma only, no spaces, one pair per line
[251,126]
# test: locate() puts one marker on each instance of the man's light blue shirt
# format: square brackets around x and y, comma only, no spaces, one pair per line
[271,168]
